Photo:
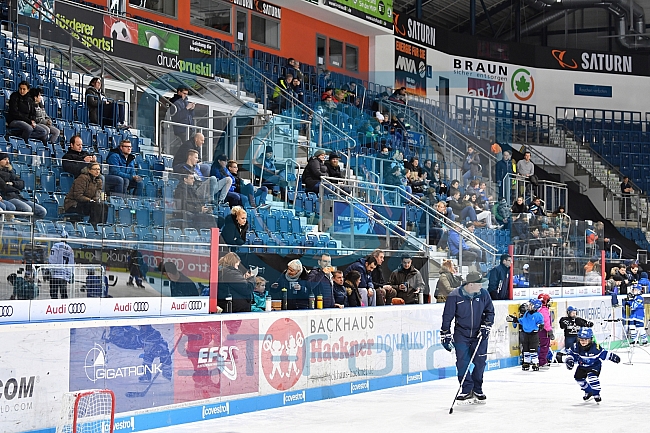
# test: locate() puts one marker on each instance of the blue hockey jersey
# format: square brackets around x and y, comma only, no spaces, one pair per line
[636,308]
[590,357]
[530,322]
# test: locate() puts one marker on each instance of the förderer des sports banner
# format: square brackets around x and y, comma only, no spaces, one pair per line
[128,40]
[411,67]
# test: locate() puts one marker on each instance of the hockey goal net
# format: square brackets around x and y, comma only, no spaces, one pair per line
[87,411]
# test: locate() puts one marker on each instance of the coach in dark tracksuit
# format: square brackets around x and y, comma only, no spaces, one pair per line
[473,313]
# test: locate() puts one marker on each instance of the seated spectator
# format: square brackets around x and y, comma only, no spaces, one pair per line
[295,280]
[249,195]
[481,213]
[644,282]
[314,171]
[340,293]
[407,281]
[483,198]
[366,287]
[535,242]
[519,207]
[592,266]
[385,292]
[10,187]
[180,285]
[473,187]
[110,111]
[633,274]
[435,224]
[76,159]
[384,161]
[621,279]
[472,241]
[399,96]
[455,241]
[42,119]
[502,214]
[395,178]
[351,284]
[220,171]
[340,96]
[418,184]
[448,281]
[327,93]
[236,227]
[24,288]
[333,167]
[122,177]
[259,295]
[188,201]
[536,208]
[84,197]
[194,143]
[22,115]
[264,166]
[324,80]
[321,281]
[235,292]
[463,209]
[523,279]
[6,206]
[208,188]
[296,89]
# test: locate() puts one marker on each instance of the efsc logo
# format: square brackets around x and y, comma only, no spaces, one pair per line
[95,366]
[221,357]
[293,398]
[522,84]
[283,355]
[215,410]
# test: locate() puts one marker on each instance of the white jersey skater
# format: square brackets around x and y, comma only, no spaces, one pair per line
[62,254]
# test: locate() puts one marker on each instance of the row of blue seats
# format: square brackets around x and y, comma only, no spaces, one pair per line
[281,243]
[585,124]
[603,135]
[613,148]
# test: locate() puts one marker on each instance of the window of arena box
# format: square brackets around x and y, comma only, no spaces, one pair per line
[214,14]
[165,7]
[265,31]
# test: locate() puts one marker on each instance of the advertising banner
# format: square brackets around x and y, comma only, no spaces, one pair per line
[362,224]
[14,311]
[485,88]
[126,39]
[591,61]
[414,30]
[375,11]
[411,68]
[261,6]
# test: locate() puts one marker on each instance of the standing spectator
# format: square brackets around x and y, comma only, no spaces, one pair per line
[472,310]
[296,89]
[122,170]
[455,241]
[471,165]
[340,293]
[62,257]
[294,68]
[295,280]
[321,281]
[207,187]
[95,99]
[523,279]
[236,227]
[281,92]
[22,114]
[234,284]
[496,149]
[84,197]
[10,186]
[448,281]
[180,285]
[42,119]
[499,279]
[190,205]
[351,284]
[626,192]
[194,143]
[366,287]
[314,171]
[182,112]
[385,292]
[220,171]
[76,159]
[526,168]
[137,268]
[407,281]
[504,168]
[249,197]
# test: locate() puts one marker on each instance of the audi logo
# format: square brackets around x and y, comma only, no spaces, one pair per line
[194,305]
[6,311]
[77,308]
[140,306]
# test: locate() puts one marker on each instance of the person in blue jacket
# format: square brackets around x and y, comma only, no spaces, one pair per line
[531,323]
[471,309]
[589,356]
[499,276]
[644,282]
[121,171]
[636,321]
[454,242]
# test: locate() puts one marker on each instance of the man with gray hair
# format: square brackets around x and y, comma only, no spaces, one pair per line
[295,280]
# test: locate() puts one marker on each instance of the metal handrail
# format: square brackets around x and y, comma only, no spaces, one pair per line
[295,196]
[611,251]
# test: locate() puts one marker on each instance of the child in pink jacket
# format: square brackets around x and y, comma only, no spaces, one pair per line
[546,334]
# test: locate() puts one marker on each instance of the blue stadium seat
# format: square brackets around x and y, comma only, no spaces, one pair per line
[65,182]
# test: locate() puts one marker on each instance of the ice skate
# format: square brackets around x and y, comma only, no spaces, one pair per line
[465,399]
[587,396]
[525,366]
[480,398]
[535,367]
[597,398]
[544,367]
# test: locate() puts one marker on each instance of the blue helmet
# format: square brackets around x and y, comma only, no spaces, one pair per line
[636,289]
[586,333]
[535,304]
[570,309]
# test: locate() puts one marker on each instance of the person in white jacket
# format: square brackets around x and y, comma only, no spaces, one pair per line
[61,254]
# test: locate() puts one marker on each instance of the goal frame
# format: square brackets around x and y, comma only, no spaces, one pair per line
[78,396]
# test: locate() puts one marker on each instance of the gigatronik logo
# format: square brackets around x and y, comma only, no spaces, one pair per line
[522,84]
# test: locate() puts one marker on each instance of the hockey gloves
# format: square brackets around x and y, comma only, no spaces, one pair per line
[511,318]
[614,357]
[447,340]
[485,331]
[569,362]
[590,324]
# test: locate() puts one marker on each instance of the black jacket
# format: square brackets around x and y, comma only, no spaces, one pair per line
[188,199]
[354,298]
[73,162]
[21,108]
[93,99]
[313,172]
[180,157]
[9,192]
[233,283]
[333,171]
[232,233]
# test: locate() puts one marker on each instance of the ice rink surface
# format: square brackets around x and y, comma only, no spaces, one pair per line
[517,401]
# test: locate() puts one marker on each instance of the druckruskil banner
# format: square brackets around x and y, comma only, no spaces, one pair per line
[411,67]
[128,40]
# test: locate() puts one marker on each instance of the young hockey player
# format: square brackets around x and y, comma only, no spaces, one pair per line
[589,356]
[571,324]
[531,322]
[545,334]
[636,321]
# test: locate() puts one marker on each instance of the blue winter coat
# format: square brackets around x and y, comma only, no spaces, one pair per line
[259,302]
[498,285]
[530,322]
[453,241]
[120,165]
[320,284]
[366,277]
[469,312]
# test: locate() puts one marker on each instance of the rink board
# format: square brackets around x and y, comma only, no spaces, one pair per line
[212,366]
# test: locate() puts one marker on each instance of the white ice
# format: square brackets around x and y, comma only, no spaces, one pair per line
[518,401]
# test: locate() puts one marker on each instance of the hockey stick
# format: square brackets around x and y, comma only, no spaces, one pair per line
[451,409]
[138,394]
